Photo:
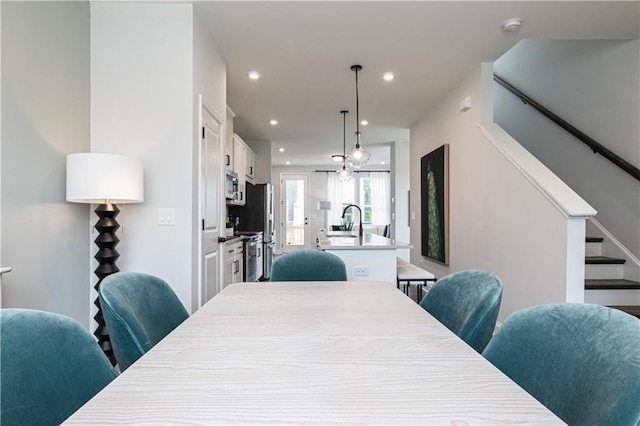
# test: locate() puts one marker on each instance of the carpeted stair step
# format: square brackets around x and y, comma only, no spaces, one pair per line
[631,310]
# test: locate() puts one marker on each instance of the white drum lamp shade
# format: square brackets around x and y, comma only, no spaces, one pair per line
[96,177]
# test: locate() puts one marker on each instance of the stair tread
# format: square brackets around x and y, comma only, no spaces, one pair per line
[611,284]
[603,260]
[595,239]
[631,310]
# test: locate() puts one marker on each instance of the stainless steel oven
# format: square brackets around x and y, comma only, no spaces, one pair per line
[252,248]
[267,254]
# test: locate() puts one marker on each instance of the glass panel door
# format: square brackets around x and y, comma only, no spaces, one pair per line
[295,211]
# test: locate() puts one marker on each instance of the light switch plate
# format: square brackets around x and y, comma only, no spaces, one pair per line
[166,217]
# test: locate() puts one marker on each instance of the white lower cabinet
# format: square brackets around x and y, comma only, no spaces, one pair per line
[233,262]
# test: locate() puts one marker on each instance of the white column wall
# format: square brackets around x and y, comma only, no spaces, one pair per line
[142,106]
[400,176]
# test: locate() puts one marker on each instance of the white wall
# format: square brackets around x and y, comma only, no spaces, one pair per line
[45,115]
[499,221]
[142,72]
[595,86]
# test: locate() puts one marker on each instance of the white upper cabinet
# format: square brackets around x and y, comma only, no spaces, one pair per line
[239,158]
[250,171]
[240,166]
[228,139]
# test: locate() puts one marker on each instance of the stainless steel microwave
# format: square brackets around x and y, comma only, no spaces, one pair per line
[231,185]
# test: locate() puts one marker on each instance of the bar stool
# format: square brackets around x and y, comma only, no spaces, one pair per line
[408,274]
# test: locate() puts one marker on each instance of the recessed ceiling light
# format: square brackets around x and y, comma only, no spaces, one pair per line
[281,149]
[273,122]
[364,122]
[288,162]
[388,76]
[337,157]
[253,75]
[382,162]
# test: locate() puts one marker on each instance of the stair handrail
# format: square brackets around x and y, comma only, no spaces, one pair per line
[595,146]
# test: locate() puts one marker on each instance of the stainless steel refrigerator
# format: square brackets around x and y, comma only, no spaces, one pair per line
[255,216]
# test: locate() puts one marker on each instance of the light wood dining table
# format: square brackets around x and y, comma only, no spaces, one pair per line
[352,352]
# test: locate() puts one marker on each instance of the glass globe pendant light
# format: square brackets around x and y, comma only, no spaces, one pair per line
[358,157]
[344,174]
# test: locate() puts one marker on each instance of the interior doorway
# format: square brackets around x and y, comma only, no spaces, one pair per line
[294,212]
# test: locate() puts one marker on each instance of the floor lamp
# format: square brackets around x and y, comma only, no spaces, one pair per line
[104,179]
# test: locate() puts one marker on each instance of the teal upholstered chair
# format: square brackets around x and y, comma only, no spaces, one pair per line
[467,303]
[581,361]
[308,265]
[49,366]
[140,310]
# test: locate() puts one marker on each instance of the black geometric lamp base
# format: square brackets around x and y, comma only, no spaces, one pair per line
[106,256]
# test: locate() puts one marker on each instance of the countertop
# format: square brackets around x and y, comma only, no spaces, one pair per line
[234,239]
[350,241]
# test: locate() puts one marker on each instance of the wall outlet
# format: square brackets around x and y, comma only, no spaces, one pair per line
[361,271]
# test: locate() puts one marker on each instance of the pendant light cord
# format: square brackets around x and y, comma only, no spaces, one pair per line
[357,105]
[344,137]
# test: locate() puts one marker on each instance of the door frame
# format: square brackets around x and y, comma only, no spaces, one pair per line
[291,176]
[198,287]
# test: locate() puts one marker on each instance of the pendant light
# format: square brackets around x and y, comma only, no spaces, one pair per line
[344,174]
[358,156]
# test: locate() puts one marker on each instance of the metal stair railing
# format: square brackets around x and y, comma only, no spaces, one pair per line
[595,146]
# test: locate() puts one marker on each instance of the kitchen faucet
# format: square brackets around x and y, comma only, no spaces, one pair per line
[360,233]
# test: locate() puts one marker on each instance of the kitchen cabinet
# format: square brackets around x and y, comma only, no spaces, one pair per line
[250,171]
[233,261]
[239,158]
[228,140]
[240,166]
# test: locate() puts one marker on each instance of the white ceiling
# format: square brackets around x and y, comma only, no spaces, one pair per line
[304,51]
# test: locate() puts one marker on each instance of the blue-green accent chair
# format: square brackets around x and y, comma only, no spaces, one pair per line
[467,303]
[308,265]
[140,310]
[581,361]
[50,366]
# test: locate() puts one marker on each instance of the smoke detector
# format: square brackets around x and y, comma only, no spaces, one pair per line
[512,24]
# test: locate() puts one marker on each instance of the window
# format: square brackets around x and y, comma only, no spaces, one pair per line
[370,191]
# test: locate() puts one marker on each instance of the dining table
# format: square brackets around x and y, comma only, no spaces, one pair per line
[346,352]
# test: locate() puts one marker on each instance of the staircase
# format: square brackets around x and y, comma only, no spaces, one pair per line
[605,283]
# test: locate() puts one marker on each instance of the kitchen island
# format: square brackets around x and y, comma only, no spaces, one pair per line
[370,258]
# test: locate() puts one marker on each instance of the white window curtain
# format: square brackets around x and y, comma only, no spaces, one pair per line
[338,193]
[380,198]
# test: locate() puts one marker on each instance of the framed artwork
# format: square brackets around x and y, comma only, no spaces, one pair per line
[434,191]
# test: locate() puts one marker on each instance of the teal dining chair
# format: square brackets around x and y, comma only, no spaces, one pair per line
[467,303]
[49,367]
[308,265]
[139,310]
[581,361]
